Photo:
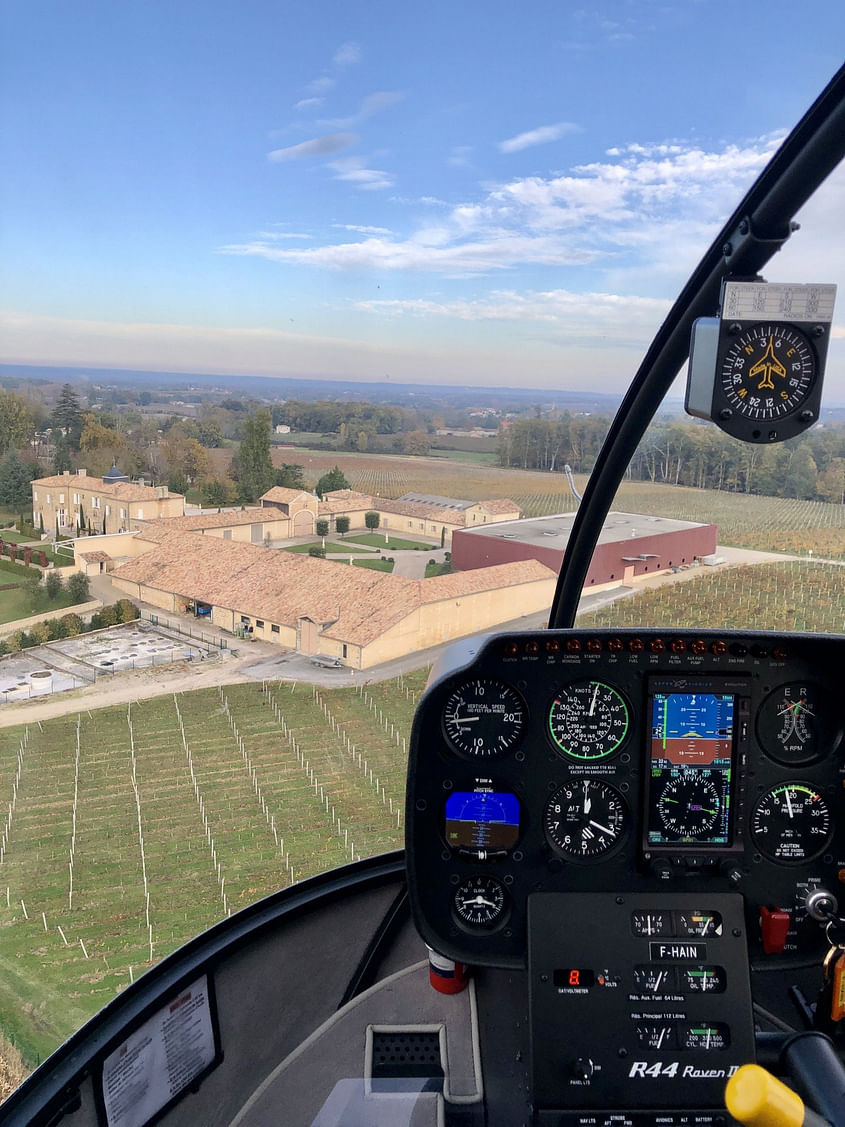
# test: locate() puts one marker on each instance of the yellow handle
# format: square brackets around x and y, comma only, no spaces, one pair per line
[758,1099]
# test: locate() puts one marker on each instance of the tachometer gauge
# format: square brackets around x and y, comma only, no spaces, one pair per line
[795,725]
[484,718]
[588,720]
[479,901]
[791,824]
[586,820]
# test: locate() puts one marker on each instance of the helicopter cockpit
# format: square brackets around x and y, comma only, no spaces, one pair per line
[624,875]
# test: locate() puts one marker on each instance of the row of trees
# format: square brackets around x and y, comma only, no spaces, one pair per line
[811,467]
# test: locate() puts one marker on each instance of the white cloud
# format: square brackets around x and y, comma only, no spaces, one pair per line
[542,135]
[372,104]
[316,147]
[609,314]
[354,170]
[282,235]
[308,103]
[320,85]
[347,53]
[362,229]
[460,156]
[431,252]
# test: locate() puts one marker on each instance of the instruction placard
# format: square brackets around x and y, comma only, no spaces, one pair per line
[160,1059]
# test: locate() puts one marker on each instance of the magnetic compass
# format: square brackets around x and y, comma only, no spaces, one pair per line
[757,370]
[768,372]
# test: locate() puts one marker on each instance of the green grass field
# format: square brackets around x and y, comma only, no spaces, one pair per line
[331,546]
[200,824]
[393,543]
[375,565]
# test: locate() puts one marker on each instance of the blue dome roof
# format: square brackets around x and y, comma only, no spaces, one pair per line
[114,475]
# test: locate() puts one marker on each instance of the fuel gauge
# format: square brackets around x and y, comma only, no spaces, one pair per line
[656,1035]
[650,979]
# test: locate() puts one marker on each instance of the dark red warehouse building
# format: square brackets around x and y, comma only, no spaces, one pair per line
[630,545]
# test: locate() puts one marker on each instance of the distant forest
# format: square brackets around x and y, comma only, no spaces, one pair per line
[811,467]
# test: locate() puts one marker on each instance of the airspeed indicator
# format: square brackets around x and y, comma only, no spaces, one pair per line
[588,720]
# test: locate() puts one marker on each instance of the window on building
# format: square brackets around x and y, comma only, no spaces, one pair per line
[108,510]
[34,495]
[49,499]
[76,498]
[344,650]
[227,534]
[245,620]
[95,502]
[123,514]
[61,498]
[274,629]
[259,623]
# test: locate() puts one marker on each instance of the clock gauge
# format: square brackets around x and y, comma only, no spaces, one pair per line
[768,371]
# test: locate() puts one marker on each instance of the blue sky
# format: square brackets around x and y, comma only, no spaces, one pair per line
[462,192]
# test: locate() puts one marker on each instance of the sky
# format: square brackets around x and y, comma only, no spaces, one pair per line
[458,192]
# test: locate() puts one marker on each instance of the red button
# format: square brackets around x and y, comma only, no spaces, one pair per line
[774,926]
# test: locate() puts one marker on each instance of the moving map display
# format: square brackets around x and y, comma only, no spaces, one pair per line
[691,754]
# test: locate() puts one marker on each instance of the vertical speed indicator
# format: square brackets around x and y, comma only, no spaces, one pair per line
[484,718]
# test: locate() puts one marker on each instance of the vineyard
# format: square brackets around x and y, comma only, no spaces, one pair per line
[799,595]
[126,831]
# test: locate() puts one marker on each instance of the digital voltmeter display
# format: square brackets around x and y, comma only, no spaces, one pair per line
[690,768]
[482,820]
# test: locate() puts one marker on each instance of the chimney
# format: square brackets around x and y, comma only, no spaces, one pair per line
[66,473]
[82,473]
[162,491]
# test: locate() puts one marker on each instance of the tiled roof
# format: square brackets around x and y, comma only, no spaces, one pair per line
[353,604]
[198,521]
[500,505]
[121,490]
[284,495]
[353,504]
[418,511]
[94,557]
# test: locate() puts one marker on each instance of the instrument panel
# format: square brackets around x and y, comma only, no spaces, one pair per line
[593,761]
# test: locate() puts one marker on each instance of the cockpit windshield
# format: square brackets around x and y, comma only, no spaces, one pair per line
[314,319]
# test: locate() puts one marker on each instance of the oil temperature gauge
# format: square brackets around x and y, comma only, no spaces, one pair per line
[703,979]
[479,901]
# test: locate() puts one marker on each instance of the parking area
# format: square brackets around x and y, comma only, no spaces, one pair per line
[74,662]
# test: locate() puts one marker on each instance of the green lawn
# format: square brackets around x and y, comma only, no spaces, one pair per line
[331,547]
[29,599]
[375,565]
[394,544]
[437,569]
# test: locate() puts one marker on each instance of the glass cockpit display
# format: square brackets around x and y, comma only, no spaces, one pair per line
[691,769]
[482,820]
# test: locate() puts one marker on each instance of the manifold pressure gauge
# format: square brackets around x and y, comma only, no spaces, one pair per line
[756,371]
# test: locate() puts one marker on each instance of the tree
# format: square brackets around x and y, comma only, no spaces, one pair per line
[289,476]
[219,492]
[372,519]
[61,458]
[102,441]
[322,527]
[178,482]
[16,479]
[209,433]
[317,552]
[78,587]
[416,442]
[330,482]
[342,525]
[53,584]
[67,415]
[16,426]
[256,467]
[72,624]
